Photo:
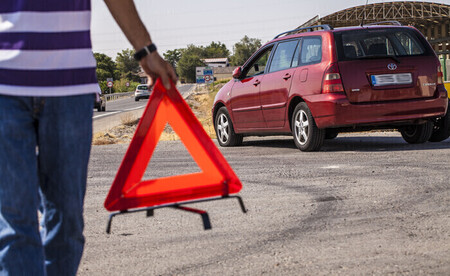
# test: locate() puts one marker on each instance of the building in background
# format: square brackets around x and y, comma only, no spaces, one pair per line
[216,62]
[224,73]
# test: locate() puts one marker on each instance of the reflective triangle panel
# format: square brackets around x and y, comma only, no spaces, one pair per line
[216,178]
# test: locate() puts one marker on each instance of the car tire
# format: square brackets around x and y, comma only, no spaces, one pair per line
[103,108]
[99,109]
[441,130]
[225,130]
[331,134]
[136,99]
[307,136]
[417,134]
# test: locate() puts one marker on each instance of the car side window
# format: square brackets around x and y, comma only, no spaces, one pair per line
[296,58]
[282,57]
[311,50]
[258,65]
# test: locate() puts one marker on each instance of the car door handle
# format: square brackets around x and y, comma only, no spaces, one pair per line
[287,76]
[256,82]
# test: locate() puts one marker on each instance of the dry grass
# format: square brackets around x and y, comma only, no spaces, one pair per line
[121,134]
[200,104]
[128,119]
[103,138]
[203,111]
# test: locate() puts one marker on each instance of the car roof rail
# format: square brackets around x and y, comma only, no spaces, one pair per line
[392,22]
[310,29]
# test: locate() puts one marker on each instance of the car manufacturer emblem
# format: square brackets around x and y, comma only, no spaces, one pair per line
[392,66]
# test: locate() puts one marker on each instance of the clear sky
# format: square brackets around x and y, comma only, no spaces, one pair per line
[176,23]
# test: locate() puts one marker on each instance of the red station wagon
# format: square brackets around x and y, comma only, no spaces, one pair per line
[317,84]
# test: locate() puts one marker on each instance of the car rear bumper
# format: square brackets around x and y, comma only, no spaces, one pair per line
[142,95]
[334,110]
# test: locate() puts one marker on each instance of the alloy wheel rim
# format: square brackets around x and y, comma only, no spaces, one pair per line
[410,131]
[301,127]
[223,128]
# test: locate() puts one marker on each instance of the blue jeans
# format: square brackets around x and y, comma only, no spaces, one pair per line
[45,144]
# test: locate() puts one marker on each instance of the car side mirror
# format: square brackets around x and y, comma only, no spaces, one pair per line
[237,73]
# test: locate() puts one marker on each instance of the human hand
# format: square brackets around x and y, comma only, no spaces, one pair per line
[155,66]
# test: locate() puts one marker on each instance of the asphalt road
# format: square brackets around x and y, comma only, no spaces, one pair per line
[362,206]
[117,109]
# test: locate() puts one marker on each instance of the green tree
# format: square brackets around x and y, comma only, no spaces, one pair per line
[244,49]
[104,86]
[186,66]
[127,65]
[173,56]
[191,49]
[216,50]
[106,67]
[120,85]
[192,57]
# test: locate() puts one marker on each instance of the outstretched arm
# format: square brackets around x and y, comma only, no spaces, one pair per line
[126,15]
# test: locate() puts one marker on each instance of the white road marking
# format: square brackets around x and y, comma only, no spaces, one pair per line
[115,112]
[331,167]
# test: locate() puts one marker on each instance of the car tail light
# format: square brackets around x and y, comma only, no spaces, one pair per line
[440,76]
[332,80]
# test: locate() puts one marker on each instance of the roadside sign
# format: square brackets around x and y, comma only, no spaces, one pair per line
[127,84]
[204,74]
[109,79]
[203,71]
[199,71]
[109,84]
[200,79]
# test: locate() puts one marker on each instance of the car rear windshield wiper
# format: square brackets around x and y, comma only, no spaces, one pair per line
[379,57]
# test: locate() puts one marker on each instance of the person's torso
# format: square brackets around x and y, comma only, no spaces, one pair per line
[45,48]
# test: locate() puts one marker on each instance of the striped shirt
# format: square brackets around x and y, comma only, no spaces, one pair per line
[45,48]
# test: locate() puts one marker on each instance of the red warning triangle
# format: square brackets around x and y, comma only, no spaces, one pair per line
[215,179]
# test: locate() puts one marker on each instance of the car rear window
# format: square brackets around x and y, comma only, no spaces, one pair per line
[367,43]
[142,87]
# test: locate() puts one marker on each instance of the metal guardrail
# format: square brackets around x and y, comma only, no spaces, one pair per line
[115,96]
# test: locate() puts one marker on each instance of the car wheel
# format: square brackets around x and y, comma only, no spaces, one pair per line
[225,131]
[441,130]
[136,99]
[103,108]
[331,134]
[99,109]
[417,134]
[307,136]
